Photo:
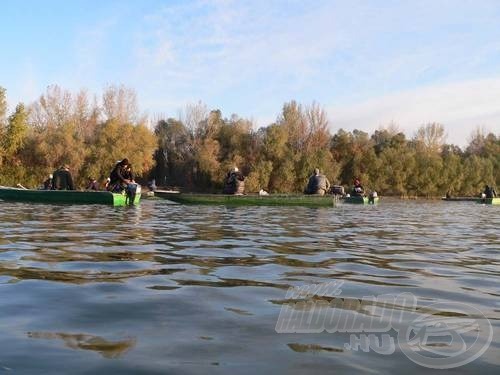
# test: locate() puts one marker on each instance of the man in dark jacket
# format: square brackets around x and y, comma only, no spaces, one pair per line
[489,192]
[318,184]
[120,176]
[234,183]
[62,180]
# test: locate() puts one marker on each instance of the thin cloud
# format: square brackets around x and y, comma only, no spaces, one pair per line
[90,48]
[249,57]
[460,107]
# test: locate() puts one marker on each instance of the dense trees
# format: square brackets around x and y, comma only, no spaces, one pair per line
[196,150]
[65,128]
[281,156]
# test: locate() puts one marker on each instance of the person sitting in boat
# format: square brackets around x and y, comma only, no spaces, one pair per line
[92,184]
[47,184]
[152,185]
[234,183]
[357,190]
[62,179]
[121,176]
[489,192]
[129,173]
[318,184]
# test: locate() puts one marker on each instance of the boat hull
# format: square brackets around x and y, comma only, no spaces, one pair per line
[360,200]
[459,199]
[255,200]
[66,196]
[489,200]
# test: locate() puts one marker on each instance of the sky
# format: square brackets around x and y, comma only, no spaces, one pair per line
[368,63]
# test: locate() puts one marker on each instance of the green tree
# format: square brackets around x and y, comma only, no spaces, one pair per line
[477,172]
[3,114]
[13,140]
[3,107]
[427,177]
[174,156]
[395,162]
[354,152]
[16,131]
[276,151]
[453,175]
[235,140]
[115,141]
[396,165]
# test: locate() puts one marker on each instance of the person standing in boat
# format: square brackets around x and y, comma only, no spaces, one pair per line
[152,185]
[318,184]
[357,190]
[489,192]
[120,177]
[62,179]
[234,183]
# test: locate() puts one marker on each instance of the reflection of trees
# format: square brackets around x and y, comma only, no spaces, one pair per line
[99,236]
[80,277]
[107,348]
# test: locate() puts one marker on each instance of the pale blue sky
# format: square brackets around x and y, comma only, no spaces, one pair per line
[367,62]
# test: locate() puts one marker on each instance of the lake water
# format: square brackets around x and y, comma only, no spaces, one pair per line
[164,288]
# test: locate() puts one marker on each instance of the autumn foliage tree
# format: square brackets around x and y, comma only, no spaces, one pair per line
[280,157]
[196,150]
[65,128]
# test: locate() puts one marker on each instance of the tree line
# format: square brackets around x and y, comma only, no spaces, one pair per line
[195,150]
[86,133]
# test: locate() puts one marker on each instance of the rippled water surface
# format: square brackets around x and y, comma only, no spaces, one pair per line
[164,288]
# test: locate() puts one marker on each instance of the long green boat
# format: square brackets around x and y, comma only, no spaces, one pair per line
[459,199]
[253,199]
[488,200]
[67,196]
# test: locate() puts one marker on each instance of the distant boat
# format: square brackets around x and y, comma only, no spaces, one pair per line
[253,199]
[361,200]
[67,196]
[472,199]
[459,199]
[488,200]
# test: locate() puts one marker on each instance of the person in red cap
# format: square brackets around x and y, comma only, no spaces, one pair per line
[358,188]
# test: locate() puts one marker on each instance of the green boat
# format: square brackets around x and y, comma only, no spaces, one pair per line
[360,200]
[459,199]
[67,196]
[250,199]
[488,200]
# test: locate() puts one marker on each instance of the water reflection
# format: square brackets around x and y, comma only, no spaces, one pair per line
[211,280]
[303,348]
[107,348]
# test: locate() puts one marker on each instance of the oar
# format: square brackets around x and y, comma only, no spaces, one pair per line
[21,187]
